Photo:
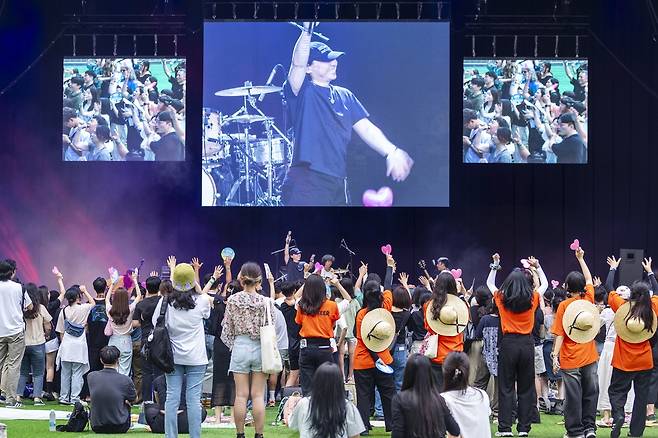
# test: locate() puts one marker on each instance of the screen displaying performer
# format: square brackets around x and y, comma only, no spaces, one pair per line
[123,109]
[326,114]
[525,111]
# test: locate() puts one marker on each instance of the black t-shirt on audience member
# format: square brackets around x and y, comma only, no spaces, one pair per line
[401,319]
[96,322]
[416,325]
[539,322]
[571,150]
[323,118]
[289,313]
[169,148]
[109,390]
[144,314]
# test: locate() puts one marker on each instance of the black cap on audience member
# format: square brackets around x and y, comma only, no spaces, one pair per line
[165,116]
[568,118]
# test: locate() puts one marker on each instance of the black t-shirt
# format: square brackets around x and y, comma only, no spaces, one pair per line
[571,150]
[96,322]
[294,271]
[539,322]
[323,118]
[110,390]
[401,319]
[160,389]
[169,148]
[144,312]
[416,325]
[578,90]
[289,313]
[176,89]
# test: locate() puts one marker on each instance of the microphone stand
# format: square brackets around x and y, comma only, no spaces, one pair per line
[350,253]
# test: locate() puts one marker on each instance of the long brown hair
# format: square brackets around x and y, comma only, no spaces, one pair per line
[120,306]
[445,284]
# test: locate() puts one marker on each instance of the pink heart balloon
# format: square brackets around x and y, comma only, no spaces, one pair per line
[525,263]
[457,273]
[318,266]
[555,283]
[575,245]
[386,249]
[380,198]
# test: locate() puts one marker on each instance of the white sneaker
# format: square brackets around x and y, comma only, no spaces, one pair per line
[504,434]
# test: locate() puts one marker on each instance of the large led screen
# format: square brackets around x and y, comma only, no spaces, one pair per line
[520,111]
[325,114]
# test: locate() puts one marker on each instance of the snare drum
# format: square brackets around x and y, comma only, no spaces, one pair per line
[208,189]
[260,151]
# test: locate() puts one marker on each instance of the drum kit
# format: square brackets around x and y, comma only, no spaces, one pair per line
[242,164]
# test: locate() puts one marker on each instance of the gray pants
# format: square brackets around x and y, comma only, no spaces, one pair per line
[71,384]
[11,355]
[581,386]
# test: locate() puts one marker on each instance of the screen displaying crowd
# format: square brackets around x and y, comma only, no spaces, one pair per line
[525,111]
[123,109]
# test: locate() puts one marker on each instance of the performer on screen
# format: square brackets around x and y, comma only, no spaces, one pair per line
[323,116]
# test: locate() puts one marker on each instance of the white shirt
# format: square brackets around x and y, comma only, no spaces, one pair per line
[281,329]
[11,314]
[471,411]
[185,328]
[299,420]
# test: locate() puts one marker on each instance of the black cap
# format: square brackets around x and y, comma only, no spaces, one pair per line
[322,52]
[295,251]
[165,116]
[568,118]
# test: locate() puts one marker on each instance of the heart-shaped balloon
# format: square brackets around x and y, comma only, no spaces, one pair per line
[318,266]
[555,283]
[55,270]
[386,249]
[575,244]
[525,263]
[457,273]
[380,198]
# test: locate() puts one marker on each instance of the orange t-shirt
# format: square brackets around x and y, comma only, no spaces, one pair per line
[447,344]
[320,325]
[628,356]
[362,358]
[572,354]
[518,323]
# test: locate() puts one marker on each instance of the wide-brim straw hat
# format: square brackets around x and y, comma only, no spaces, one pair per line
[378,330]
[632,330]
[182,279]
[581,321]
[452,318]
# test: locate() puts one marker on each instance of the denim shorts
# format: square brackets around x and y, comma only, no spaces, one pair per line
[245,356]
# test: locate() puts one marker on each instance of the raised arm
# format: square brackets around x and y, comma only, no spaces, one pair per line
[286,248]
[610,279]
[60,284]
[196,264]
[214,279]
[300,54]
[84,290]
[166,68]
[270,282]
[491,279]
[229,274]
[646,264]
[138,289]
[543,281]
[363,271]
[580,256]
[390,266]
[343,293]
[398,162]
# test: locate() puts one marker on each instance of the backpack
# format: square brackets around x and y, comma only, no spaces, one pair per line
[157,348]
[77,421]
[288,405]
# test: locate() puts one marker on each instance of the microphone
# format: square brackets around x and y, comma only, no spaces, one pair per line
[269,80]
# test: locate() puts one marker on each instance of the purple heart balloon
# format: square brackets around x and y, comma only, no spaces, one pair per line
[380,198]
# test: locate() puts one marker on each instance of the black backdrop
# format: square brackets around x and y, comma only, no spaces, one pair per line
[85,218]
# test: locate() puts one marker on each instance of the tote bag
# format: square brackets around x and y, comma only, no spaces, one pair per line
[270,356]
[429,346]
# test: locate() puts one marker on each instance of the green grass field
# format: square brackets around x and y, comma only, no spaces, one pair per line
[33,428]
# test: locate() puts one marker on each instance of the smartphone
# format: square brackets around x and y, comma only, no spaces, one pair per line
[268,273]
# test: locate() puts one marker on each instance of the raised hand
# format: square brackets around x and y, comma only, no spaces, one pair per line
[83,288]
[363,269]
[334,281]
[613,262]
[171,262]
[288,237]
[219,270]
[425,282]
[196,264]
[153,274]
[580,253]
[390,261]
[134,276]
[597,282]
[533,262]
[404,279]
[646,264]
[496,258]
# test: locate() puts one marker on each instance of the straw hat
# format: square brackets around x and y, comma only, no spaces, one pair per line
[581,321]
[633,330]
[182,279]
[378,330]
[452,318]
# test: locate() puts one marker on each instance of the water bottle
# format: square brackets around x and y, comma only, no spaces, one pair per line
[52,423]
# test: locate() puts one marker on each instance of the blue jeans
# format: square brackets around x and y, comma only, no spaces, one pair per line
[34,360]
[399,362]
[125,345]
[194,374]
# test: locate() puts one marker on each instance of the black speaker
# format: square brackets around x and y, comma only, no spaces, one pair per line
[630,268]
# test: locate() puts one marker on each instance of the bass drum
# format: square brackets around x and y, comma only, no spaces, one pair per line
[208,190]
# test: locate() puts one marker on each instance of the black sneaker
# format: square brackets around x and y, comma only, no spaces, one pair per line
[47,396]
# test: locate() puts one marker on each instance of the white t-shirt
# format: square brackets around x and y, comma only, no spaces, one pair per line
[281,329]
[185,328]
[299,420]
[471,411]
[11,314]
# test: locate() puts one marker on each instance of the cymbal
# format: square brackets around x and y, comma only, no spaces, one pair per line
[247,118]
[253,90]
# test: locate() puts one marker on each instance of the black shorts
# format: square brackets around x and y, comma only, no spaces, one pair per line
[293,356]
